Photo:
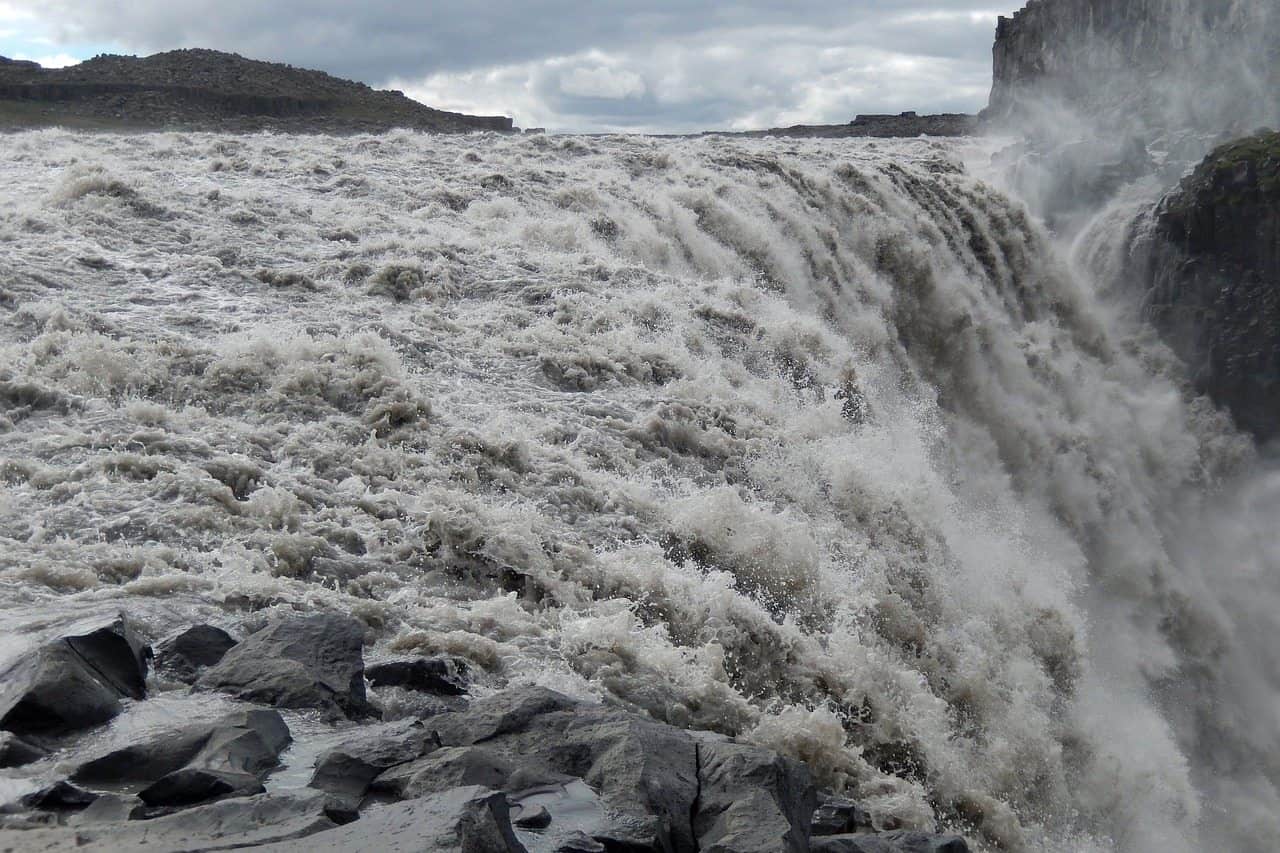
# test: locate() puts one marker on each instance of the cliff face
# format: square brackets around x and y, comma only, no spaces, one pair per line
[205,89]
[1211,258]
[1152,66]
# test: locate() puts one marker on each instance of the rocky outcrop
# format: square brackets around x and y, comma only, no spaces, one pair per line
[1209,258]
[523,768]
[210,90]
[1140,65]
[1104,93]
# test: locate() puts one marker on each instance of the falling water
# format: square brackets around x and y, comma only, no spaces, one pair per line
[822,444]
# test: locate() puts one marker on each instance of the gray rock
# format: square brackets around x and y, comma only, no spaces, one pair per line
[16,752]
[751,800]
[898,841]
[645,772]
[346,771]
[245,741]
[108,808]
[461,820]
[838,816]
[75,680]
[183,656]
[299,662]
[450,767]
[60,796]
[227,758]
[443,676]
[225,825]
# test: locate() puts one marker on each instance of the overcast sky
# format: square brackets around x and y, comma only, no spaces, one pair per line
[595,65]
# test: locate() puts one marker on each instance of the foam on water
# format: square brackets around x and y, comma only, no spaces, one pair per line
[815,443]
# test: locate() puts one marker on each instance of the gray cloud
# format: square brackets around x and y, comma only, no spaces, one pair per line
[606,64]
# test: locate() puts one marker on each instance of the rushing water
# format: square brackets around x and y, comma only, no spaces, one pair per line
[818,443]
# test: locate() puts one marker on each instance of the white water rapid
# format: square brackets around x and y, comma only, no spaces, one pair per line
[820,443]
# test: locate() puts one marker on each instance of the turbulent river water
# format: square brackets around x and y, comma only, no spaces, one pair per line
[823,444]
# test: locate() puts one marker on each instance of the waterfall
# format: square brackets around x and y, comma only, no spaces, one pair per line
[823,444]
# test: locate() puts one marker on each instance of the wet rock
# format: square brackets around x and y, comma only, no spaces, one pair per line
[751,800]
[225,825]
[346,771]
[450,767]
[184,656]
[536,817]
[838,816]
[899,841]
[199,764]
[192,785]
[16,752]
[60,796]
[298,662]
[1211,265]
[644,772]
[471,820]
[443,676]
[75,680]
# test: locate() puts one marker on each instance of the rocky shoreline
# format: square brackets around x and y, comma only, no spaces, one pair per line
[520,769]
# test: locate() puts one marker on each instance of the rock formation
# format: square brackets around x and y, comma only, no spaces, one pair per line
[209,90]
[1210,258]
[1141,65]
[521,766]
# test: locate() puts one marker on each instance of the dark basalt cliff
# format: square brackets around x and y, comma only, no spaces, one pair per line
[209,90]
[1150,65]
[1211,260]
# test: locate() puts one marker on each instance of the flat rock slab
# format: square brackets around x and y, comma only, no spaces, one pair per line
[471,820]
[74,680]
[298,662]
[347,770]
[230,824]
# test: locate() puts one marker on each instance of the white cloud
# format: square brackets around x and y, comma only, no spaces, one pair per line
[602,82]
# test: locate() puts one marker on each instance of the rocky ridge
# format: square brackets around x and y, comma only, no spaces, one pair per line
[520,769]
[208,90]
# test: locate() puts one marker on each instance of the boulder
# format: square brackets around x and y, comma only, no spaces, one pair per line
[16,752]
[534,817]
[898,841]
[460,820]
[60,796]
[346,771]
[109,808]
[298,662]
[226,758]
[450,767]
[443,676]
[184,656]
[225,825]
[194,785]
[75,680]
[751,800]
[645,772]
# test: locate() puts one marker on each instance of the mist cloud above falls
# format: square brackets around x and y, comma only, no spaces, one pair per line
[610,65]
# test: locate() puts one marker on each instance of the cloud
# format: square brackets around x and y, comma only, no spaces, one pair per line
[610,64]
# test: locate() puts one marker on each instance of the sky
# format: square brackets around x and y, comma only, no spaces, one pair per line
[598,65]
